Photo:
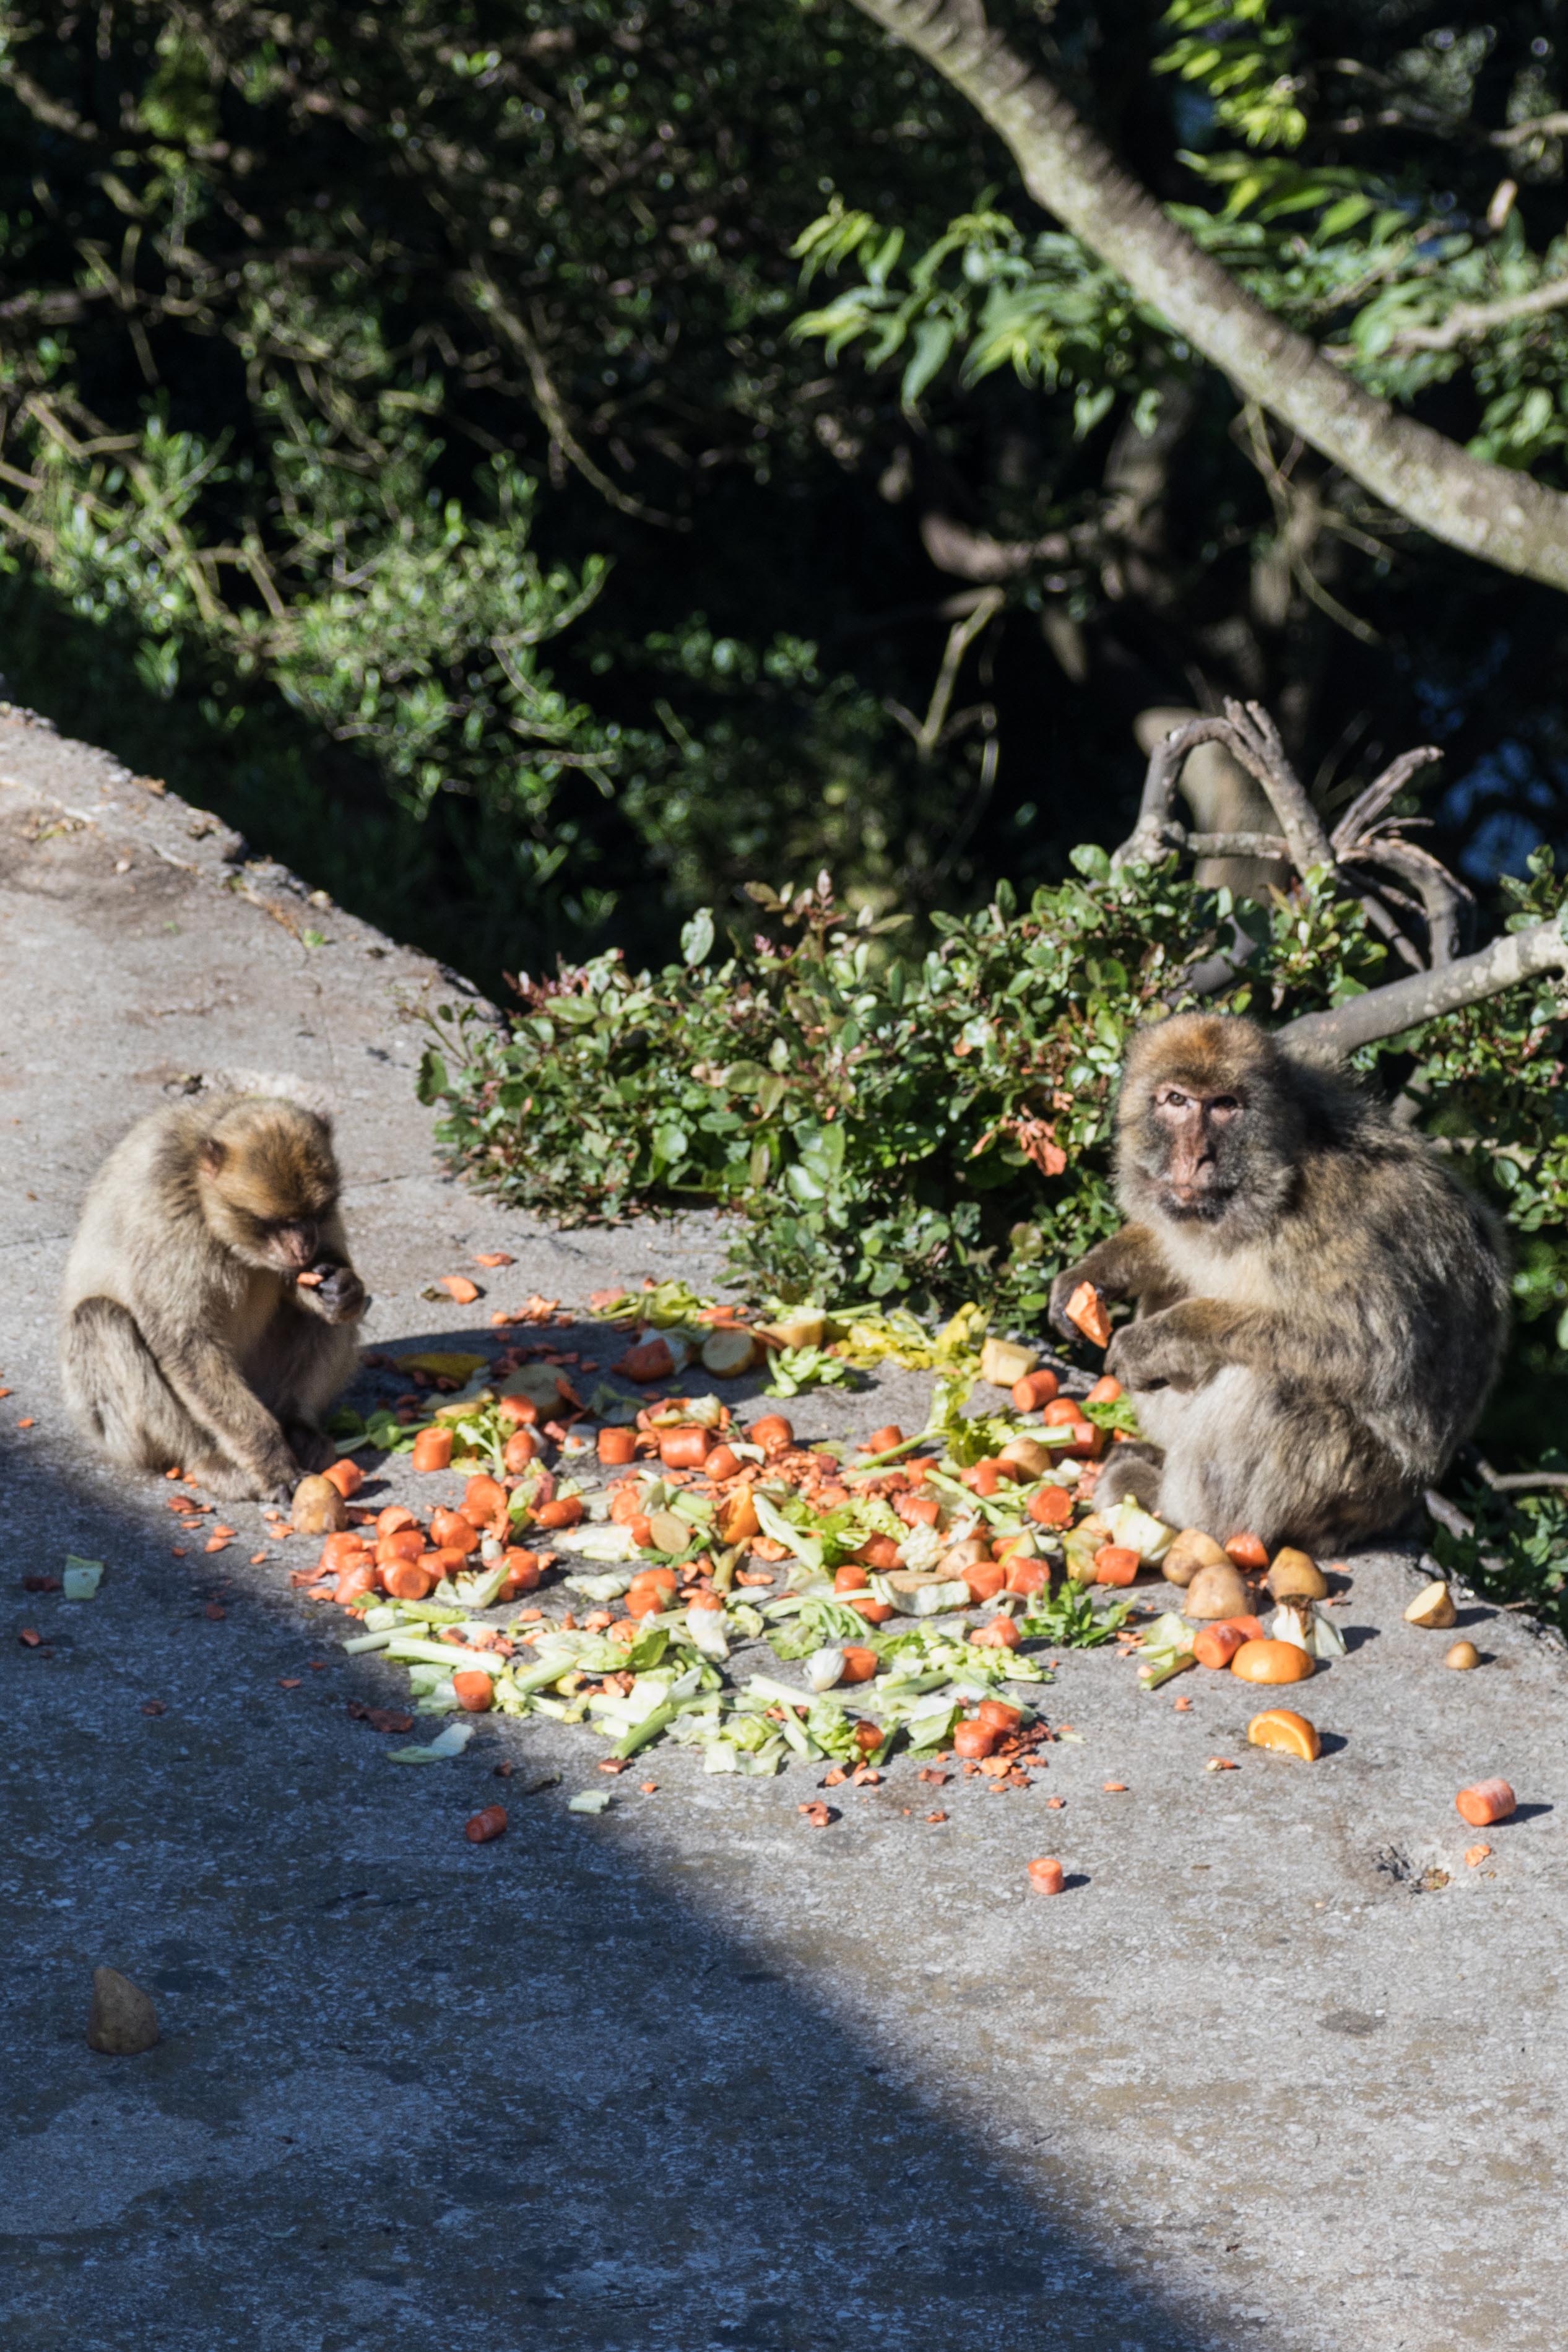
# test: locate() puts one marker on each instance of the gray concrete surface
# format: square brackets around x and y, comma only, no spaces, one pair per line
[689,2074]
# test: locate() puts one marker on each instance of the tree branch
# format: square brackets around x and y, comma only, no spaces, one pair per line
[1369,805]
[969,554]
[1518,134]
[1250,735]
[1425,996]
[1441,897]
[1236,844]
[1502,516]
[1518,1481]
[1467,320]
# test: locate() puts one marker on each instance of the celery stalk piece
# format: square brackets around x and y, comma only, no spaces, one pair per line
[447,1743]
[1155,1675]
[770,1693]
[588,1801]
[81,1578]
[407,1648]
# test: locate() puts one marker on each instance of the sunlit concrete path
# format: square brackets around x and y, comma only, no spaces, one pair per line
[1277,2069]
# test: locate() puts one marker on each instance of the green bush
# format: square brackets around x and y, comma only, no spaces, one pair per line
[938,1131]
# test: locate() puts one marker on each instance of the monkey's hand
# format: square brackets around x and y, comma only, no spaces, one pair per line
[1162,1351]
[333,1291]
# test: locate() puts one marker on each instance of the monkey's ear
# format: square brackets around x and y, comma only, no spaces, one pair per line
[214,1155]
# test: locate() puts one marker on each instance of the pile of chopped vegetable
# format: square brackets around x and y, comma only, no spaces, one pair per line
[607,1578]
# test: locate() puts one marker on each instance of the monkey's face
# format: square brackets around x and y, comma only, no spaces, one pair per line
[1205,1127]
[268,1184]
[1195,1137]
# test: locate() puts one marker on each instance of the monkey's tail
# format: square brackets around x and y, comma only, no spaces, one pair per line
[116,1392]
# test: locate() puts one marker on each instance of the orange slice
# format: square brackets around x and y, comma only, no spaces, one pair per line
[1291,1733]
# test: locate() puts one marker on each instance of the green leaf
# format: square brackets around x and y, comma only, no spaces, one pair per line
[433,1081]
[696,938]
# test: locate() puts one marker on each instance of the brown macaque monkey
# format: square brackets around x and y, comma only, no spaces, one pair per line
[209,1306]
[1322,1308]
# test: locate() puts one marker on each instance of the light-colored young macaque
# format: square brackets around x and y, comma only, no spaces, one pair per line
[1322,1310]
[209,1305]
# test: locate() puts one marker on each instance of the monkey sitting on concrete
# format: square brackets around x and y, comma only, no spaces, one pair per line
[209,1305]
[1322,1308]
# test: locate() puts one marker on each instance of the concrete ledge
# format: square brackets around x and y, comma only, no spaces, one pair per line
[1277,2069]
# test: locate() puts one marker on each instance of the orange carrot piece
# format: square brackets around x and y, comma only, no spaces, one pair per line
[432,1450]
[1050,1507]
[1249,1552]
[1115,1564]
[686,1448]
[1486,1801]
[1001,1633]
[973,1738]
[1086,1310]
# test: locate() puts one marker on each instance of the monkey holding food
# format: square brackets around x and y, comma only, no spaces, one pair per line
[209,1305]
[1322,1308]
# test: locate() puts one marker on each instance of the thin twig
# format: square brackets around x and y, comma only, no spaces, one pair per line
[1518,1481]
[1447,1515]
[928,733]
[1370,805]
[1468,320]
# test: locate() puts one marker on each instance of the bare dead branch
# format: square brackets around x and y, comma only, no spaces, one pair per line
[1443,900]
[1250,735]
[1236,844]
[1369,805]
[1518,1481]
[1447,1515]
[488,300]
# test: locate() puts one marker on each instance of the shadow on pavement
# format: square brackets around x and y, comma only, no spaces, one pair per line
[414,2090]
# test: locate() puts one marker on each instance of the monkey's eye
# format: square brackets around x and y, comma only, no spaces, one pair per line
[1169,1099]
[1226,1105]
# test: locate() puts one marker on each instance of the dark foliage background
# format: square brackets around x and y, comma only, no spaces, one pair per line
[406,453]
